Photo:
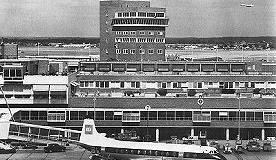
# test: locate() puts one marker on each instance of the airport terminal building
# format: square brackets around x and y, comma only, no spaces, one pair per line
[149,95]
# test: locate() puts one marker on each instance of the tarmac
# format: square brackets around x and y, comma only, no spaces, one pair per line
[77,153]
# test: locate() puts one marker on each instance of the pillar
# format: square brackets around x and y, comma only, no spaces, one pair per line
[227,134]
[263,134]
[122,130]
[157,134]
[192,132]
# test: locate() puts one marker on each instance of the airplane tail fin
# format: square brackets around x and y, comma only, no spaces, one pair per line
[88,131]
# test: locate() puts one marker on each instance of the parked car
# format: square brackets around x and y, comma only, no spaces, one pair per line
[238,146]
[267,146]
[6,148]
[227,149]
[253,145]
[214,144]
[29,146]
[54,147]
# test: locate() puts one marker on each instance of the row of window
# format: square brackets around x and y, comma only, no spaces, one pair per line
[13,73]
[158,153]
[141,51]
[140,14]
[160,33]
[141,152]
[139,40]
[35,96]
[171,85]
[144,115]
[134,22]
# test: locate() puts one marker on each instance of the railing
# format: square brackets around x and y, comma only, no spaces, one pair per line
[179,72]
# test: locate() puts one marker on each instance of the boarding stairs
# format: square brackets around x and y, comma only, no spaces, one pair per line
[37,133]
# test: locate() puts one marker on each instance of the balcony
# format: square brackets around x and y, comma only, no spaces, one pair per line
[138,22]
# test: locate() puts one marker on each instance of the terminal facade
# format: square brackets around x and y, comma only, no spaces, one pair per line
[61,93]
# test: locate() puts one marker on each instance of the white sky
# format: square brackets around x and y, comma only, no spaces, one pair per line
[188,18]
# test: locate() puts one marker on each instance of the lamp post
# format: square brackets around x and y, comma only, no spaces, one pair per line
[239,127]
[38,48]
[94,104]
[147,108]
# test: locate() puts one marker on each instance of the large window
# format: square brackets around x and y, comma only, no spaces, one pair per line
[159,51]
[25,115]
[132,14]
[14,74]
[142,32]
[162,115]
[125,51]
[150,14]
[132,32]
[118,51]
[56,116]
[122,85]
[132,51]
[109,115]
[151,51]
[160,14]
[126,14]
[142,14]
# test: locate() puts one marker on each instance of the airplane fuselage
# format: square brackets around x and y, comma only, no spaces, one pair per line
[127,150]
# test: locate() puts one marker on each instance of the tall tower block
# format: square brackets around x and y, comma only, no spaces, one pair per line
[132,31]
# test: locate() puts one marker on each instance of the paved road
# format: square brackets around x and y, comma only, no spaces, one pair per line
[29,154]
[78,153]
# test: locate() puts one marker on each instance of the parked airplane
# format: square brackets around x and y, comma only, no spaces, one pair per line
[247,5]
[110,148]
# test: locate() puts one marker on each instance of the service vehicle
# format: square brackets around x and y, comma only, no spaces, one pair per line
[54,147]
[253,145]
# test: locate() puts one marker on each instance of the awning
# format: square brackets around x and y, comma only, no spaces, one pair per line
[223,113]
[40,87]
[73,63]
[58,88]
[118,113]
[75,83]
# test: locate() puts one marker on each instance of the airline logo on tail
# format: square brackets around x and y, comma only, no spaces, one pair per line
[88,129]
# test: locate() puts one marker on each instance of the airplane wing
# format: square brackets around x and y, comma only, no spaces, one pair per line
[150,158]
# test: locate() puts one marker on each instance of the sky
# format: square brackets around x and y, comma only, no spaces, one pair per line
[188,18]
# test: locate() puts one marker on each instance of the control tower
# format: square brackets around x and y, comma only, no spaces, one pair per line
[132,31]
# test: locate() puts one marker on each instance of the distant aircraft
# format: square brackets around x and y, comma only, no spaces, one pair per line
[125,150]
[247,5]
